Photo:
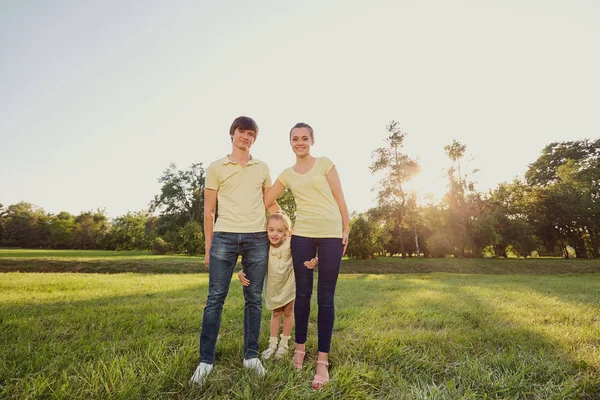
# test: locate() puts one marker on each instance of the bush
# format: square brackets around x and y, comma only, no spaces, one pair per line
[159,246]
[193,238]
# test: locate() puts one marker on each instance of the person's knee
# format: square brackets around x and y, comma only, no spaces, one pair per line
[288,312]
[325,299]
[216,299]
[277,314]
[303,297]
[253,296]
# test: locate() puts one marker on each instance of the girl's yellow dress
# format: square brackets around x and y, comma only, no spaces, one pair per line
[280,286]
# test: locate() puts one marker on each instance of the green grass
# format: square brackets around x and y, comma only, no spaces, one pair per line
[411,336]
[76,254]
[99,261]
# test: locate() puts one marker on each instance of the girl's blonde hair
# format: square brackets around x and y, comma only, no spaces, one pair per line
[281,216]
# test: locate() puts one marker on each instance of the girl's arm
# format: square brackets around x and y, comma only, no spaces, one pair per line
[271,194]
[336,188]
[243,279]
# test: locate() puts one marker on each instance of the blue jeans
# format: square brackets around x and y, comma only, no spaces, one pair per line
[224,251]
[330,259]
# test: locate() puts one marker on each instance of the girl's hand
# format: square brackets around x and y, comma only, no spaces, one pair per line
[312,263]
[243,279]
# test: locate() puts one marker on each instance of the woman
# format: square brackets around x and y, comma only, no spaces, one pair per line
[322,227]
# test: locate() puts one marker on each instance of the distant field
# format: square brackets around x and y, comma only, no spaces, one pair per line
[143,262]
[80,254]
[411,336]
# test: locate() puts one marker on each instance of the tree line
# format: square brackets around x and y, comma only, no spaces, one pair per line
[553,210]
[173,223]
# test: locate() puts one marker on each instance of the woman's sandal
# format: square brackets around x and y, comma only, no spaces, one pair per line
[320,381]
[298,354]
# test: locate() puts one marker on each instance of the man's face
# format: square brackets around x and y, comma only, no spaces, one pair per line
[243,139]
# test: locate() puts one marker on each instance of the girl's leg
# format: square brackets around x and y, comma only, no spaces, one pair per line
[276,321]
[288,322]
[275,318]
[288,318]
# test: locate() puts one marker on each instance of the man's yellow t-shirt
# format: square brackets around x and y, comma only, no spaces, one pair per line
[241,208]
[317,215]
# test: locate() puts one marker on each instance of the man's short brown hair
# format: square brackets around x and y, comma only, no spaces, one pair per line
[244,124]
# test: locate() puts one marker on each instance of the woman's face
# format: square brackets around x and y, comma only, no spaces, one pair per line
[276,231]
[301,141]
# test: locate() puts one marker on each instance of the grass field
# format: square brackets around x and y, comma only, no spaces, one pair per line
[409,336]
[100,261]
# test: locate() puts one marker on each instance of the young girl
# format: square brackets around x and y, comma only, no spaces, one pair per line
[280,283]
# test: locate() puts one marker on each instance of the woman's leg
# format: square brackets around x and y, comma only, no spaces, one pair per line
[303,249]
[330,259]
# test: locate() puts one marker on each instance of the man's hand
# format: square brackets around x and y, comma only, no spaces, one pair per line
[312,263]
[243,279]
[207,257]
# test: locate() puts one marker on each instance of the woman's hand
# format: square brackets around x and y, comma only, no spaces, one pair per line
[243,279]
[345,235]
[312,263]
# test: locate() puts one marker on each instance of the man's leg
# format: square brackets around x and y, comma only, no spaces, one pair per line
[223,256]
[255,253]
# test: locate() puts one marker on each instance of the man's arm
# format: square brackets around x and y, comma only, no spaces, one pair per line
[210,206]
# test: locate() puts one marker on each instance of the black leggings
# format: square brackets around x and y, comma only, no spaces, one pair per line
[330,259]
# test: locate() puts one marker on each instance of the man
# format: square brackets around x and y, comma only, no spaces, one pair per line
[237,182]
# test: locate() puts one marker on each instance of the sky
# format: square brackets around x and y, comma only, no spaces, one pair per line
[97,98]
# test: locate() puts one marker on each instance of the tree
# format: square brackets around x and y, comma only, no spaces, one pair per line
[565,183]
[181,197]
[193,238]
[25,225]
[90,229]
[128,232]
[461,214]
[60,231]
[288,204]
[397,168]
[362,239]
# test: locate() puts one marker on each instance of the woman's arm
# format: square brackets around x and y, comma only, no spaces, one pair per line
[271,194]
[336,188]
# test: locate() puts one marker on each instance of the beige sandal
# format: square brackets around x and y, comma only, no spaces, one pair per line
[320,381]
[298,363]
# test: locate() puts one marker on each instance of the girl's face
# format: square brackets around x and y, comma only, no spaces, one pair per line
[276,231]
[301,141]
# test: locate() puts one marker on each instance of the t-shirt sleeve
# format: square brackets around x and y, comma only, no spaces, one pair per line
[326,165]
[283,178]
[212,179]
[267,182]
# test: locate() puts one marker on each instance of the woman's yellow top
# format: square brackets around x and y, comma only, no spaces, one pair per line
[317,215]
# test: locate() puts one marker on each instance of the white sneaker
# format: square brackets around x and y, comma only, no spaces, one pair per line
[281,351]
[268,352]
[202,371]
[255,365]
